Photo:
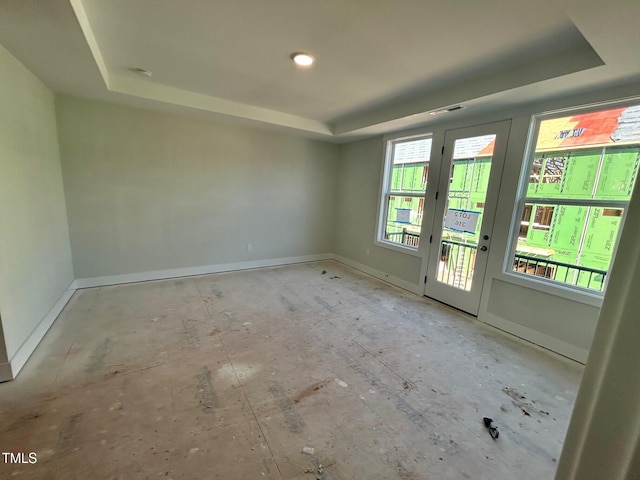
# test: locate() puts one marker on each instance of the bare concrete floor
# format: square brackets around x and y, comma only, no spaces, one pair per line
[230,376]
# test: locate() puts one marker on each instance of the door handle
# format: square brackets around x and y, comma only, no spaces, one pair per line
[483,248]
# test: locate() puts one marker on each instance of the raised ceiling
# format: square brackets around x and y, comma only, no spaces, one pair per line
[381,64]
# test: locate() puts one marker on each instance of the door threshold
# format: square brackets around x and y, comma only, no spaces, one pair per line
[452,307]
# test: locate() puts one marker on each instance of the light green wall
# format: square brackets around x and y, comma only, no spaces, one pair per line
[148,191]
[355,220]
[35,257]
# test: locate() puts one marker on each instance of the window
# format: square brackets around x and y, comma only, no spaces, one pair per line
[542,218]
[425,174]
[524,224]
[403,189]
[536,169]
[611,212]
[579,179]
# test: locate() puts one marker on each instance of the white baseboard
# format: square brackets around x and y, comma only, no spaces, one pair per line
[191,271]
[532,336]
[26,349]
[9,371]
[398,282]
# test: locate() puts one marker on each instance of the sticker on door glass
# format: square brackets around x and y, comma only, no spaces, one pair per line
[461,220]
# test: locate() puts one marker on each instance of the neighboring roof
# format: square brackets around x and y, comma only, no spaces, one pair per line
[616,126]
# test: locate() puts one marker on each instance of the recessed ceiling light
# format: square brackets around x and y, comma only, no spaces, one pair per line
[302,59]
[142,71]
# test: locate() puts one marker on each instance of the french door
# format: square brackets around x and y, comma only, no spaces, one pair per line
[465,204]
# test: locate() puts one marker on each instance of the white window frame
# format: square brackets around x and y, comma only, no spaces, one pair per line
[385,192]
[553,286]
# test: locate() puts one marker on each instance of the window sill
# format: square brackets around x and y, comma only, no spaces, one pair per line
[586,297]
[397,247]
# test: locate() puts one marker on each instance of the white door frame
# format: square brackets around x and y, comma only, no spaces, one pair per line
[467,301]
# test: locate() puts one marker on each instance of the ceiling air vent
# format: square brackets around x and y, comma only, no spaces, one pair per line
[447,109]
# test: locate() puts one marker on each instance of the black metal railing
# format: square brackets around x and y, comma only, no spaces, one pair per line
[457,264]
[406,237]
[578,275]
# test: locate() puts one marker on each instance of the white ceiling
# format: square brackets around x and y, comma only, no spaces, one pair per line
[381,64]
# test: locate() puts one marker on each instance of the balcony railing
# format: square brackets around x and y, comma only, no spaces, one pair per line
[406,237]
[567,273]
[457,262]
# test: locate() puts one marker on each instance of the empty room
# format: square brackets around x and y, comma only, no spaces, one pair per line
[324,240]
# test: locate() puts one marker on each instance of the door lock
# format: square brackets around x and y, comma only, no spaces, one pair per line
[483,248]
[485,237]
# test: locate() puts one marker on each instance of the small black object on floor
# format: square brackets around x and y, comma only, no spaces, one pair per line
[493,430]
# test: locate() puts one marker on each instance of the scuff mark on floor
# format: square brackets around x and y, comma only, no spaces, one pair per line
[310,390]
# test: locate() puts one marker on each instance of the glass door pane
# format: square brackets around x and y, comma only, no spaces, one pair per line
[464,210]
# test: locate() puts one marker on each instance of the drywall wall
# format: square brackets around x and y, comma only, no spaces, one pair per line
[561,320]
[149,191]
[355,220]
[34,239]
